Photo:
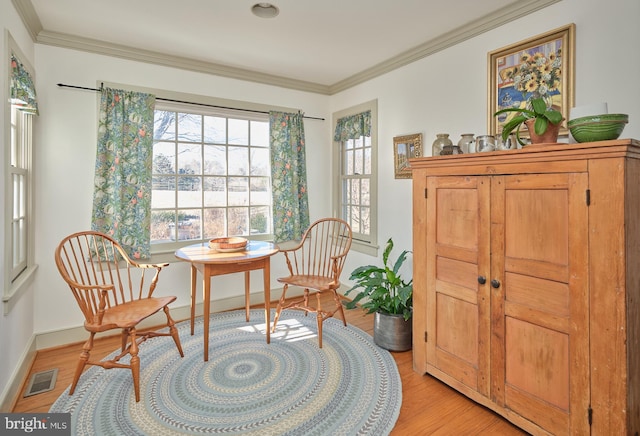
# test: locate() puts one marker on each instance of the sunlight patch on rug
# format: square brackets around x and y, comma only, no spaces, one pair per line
[288,387]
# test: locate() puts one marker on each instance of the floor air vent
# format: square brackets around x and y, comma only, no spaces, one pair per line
[41,382]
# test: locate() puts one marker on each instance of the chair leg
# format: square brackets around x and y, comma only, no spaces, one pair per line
[173,330]
[124,337]
[336,298]
[84,358]
[320,320]
[279,308]
[306,301]
[135,364]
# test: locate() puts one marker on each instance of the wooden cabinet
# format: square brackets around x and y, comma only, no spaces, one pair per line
[527,283]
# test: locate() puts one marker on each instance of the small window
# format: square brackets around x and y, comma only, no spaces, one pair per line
[19,194]
[19,229]
[356,179]
[356,175]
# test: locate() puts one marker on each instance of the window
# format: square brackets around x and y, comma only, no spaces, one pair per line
[355,185]
[19,195]
[211,175]
[355,193]
[18,181]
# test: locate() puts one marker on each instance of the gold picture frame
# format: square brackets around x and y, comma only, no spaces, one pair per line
[404,148]
[539,66]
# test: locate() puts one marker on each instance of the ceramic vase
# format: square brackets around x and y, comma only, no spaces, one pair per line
[442,140]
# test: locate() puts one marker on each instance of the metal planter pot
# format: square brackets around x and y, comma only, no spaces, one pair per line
[392,332]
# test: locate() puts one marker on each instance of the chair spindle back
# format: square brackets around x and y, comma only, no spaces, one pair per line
[92,262]
[323,249]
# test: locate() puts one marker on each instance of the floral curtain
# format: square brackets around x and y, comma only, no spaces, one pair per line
[122,187]
[23,91]
[353,127]
[288,176]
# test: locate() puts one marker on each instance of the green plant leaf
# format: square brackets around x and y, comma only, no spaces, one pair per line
[540,125]
[400,261]
[553,116]
[530,114]
[539,106]
[387,250]
[512,124]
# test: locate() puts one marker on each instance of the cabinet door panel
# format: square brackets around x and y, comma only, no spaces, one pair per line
[461,273]
[457,253]
[551,296]
[457,328]
[537,227]
[541,370]
[540,319]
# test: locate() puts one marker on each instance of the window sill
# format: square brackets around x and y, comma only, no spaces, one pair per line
[18,287]
[365,248]
[161,257]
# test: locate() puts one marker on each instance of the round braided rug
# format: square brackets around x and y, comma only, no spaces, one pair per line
[288,387]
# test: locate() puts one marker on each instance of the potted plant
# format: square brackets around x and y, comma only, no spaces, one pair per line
[383,291]
[543,122]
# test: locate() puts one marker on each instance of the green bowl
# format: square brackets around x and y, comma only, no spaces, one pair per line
[597,127]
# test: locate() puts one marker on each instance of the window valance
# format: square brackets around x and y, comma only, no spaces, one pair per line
[23,91]
[353,127]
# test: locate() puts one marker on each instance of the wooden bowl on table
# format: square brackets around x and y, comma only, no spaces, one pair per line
[228,244]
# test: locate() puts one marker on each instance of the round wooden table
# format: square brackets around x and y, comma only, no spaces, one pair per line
[209,262]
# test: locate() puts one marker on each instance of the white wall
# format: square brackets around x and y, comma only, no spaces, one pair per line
[446,92]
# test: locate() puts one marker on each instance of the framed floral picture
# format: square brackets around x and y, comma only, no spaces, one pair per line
[405,148]
[542,66]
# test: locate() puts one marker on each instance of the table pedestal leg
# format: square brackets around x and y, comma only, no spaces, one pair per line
[194,273]
[247,299]
[267,298]
[206,286]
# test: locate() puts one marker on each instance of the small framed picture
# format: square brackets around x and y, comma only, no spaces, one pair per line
[539,67]
[406,147]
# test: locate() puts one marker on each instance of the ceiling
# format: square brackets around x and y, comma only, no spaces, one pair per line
[321,46]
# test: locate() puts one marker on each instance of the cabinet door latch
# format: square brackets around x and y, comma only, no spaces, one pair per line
[588,197]
[425,336]
[590,415]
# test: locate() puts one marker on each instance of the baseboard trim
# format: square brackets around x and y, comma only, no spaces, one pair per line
[12,391]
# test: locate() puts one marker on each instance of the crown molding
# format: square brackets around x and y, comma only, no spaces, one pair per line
[125,52]
[29,17]
[467,31]
[456,36]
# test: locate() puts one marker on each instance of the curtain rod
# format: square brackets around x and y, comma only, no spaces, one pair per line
[187,102]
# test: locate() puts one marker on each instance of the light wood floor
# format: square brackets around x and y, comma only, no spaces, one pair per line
[429,407]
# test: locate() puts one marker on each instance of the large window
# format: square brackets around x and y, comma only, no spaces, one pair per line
[355,193]
[211,175]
